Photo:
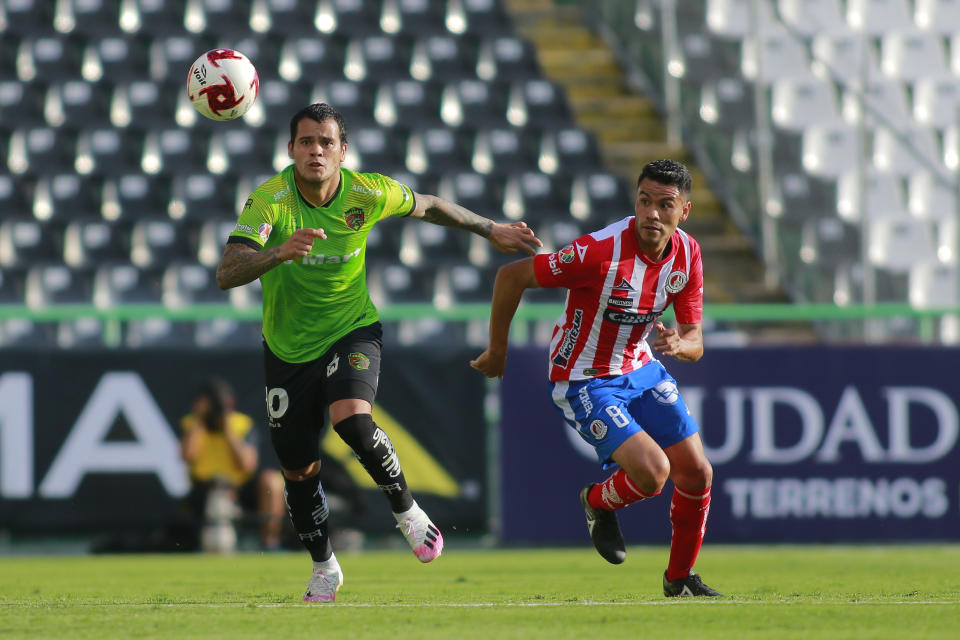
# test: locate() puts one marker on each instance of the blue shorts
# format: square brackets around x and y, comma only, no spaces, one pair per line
[607,411]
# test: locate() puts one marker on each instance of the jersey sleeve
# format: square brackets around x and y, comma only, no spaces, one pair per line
[398,199]
[255,223]
[688,304]
[572,266]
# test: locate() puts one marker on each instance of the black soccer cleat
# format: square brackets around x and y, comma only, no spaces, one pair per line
[690,587]
[604,530]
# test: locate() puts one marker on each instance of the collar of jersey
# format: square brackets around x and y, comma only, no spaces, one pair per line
[326,204]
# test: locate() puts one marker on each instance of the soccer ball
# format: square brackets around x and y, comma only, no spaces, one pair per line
[222,84]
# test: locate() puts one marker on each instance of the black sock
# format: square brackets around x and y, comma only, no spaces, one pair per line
[308,510]
[376,454]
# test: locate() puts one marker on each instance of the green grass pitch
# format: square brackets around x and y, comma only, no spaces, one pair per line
[902,592]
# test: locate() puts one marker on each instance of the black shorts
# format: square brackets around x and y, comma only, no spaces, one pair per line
[298,394]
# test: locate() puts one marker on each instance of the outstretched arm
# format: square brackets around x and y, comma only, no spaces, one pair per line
[507,238]
[241,264]
[512,280]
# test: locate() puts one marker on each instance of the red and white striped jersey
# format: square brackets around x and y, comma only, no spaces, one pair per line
[616,295]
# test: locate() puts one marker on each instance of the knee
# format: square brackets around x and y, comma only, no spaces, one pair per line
[304,473]
[696,478]
[651,477]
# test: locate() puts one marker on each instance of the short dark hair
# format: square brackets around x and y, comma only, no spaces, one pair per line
[668,172]
[318,111]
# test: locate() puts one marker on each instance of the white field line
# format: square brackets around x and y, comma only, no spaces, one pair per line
[481,605]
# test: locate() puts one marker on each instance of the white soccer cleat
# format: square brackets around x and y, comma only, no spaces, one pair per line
[424,537]
[326,579]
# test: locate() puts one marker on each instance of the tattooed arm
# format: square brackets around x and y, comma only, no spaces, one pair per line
[241,264]
[504,237]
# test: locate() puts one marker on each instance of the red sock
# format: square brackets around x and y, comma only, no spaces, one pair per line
[616,492]
[688,515]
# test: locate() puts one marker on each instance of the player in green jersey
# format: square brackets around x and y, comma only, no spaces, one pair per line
[303,233]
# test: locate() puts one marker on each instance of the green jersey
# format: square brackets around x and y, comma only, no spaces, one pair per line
[311,302]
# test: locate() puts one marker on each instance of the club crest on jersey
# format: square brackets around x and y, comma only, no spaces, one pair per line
[676,281]
[598,429]
[354,217]
[264,231]
[566,254]
[359,361]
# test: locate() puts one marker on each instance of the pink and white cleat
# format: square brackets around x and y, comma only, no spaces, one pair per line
[424,537]
[326,579]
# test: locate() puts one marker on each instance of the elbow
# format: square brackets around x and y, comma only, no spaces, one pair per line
[222,281]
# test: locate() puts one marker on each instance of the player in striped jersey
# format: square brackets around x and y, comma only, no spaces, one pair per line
[604,377]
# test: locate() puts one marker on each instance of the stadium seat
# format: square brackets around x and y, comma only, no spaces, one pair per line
[507,58]
[829,149]
[566,149]
[218,16]
[49,58]
[936,100]
[13,285]
[435,149]
[898,245]
[931,195]
[905,150]
[933,285]
[501,151]
[481,17]
[442,58]
[538,102]
[403,284]
[349,17]
[69,196]
[159,333]
[470,284]
[237,150]
[376,58]
[408,104]
[416,17]
[126,284]
[829,241]
[29,17]
[22,102]
[40,149]
[81,333]
[172,54]
[25,242]
[810,17]
[534,196]
[939,16]
[802,196]
[91,18]
[108,151]
[199,196]
[774,54]
[884,104]
[599,197]
[162,17]
[797,103]
[226,333]
[877,17]
[735,19]
[88,243]
[55,284]
[76,104]
[878,195]
[16,195]
[910,55]
[354,100]
[156,242]
[175,150]
[291,17]
[377,150]
[24,333]
[311,59]
[727,103]
[474,104]
[479,193]
[185,284]
[213,238]
[844,56]
[133,196]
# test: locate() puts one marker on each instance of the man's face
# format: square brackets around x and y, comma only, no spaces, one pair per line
[316,150]
[659,209]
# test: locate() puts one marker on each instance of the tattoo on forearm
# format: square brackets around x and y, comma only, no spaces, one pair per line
[449,214]
[240,265]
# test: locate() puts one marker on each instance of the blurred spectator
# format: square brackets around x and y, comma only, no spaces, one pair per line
[219,448]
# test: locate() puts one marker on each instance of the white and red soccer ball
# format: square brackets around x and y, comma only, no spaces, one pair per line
[222,84]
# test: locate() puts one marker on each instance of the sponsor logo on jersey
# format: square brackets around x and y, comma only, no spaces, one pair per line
[245,228]
[590,371]
[623,303]
[248,204]
[264,230]
[585,401]
[562,359]
[320,258]
[355,217]
[581,251]
[626,317]
[598,429]
[675,281]
[623,285]
[334,364]
[359,188]
[359,361]
[665,392]
[279,195]
[552,263]
[566,254]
